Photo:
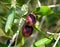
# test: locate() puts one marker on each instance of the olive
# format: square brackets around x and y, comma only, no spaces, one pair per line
[27,30]
[31,19]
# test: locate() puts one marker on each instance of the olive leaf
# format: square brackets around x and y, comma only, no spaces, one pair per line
[10,19]
[44,41]
[43,10]
[24,9]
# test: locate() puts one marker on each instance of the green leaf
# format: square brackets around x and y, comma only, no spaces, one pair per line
[44,41]
[43,10]
[24,9]
[10,19]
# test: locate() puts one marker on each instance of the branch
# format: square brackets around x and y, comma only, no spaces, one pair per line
[21,23]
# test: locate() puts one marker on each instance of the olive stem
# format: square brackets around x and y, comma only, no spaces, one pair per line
[41,32]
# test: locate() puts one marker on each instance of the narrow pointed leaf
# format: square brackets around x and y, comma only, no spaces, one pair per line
[43,41]
[10,19]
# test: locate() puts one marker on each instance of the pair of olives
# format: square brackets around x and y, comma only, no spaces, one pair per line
[28,29]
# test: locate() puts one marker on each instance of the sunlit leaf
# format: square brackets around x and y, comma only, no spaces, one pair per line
[43,10]
[44,41]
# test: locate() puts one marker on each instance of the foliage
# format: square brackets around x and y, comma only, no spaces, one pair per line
[10,19]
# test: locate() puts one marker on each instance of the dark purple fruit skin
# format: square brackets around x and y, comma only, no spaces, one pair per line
[31,19]
[27,30]
[8,42]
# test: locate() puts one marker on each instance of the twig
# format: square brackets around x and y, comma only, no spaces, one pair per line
[21,23]
[16,41]
[54,2]
[28,2]
[58,5]
[39,4]
[56,41]
[50,33]
[41,23]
